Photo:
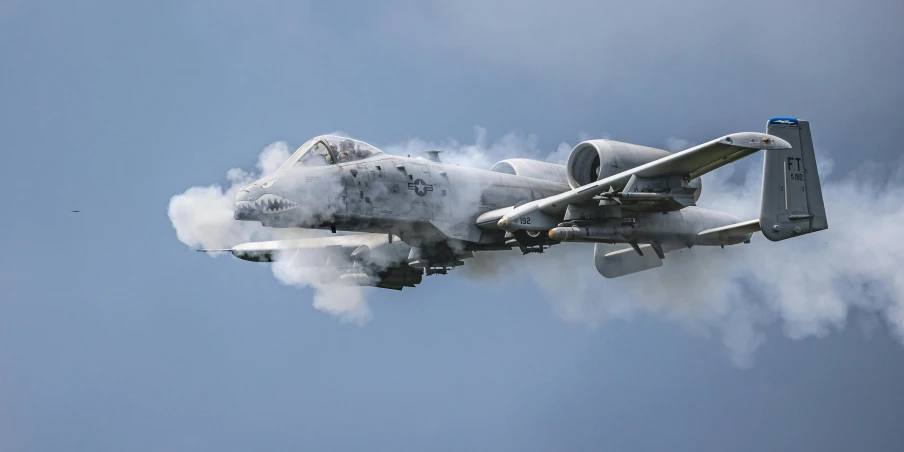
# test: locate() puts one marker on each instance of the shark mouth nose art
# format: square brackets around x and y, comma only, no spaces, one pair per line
[267,204]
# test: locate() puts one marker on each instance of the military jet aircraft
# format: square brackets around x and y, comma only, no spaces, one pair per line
[405,218]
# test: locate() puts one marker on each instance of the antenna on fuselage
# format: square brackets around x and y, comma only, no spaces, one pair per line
[433,155]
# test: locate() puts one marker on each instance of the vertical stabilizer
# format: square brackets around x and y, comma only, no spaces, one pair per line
[791,202]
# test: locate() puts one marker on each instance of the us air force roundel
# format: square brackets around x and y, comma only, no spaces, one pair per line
[420,187]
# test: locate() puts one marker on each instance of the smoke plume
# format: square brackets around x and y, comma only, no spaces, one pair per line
[810,284]
[203,218]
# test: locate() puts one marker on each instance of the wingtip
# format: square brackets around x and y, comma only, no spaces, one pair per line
[203,250]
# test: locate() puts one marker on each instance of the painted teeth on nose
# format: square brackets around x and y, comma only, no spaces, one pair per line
[270,203]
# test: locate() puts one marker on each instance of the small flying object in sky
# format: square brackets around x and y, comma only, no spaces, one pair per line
[75,211]
[415,216]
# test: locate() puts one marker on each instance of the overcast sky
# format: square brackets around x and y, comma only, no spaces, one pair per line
[114,335]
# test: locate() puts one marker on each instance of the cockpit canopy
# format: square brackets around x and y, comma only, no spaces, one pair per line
[330,150]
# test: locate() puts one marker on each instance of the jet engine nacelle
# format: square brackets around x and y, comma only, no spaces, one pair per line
[532,168]
[593,160]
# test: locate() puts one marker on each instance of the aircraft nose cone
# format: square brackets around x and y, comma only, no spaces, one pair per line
[244,211]
[245,208]
[243,195]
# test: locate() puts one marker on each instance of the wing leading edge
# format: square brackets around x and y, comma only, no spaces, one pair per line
[690,163]
[378,260]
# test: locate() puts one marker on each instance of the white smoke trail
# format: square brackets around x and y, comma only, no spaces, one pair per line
[344,301]
[203,217]
[481,154]
[810,283]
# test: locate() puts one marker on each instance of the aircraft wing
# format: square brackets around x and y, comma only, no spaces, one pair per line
[359,259]
[314,251]
[690,163]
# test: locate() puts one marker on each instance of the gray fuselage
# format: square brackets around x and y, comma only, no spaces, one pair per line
[414,198]
[425,202]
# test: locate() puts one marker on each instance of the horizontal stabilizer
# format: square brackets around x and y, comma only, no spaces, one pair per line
[728,234]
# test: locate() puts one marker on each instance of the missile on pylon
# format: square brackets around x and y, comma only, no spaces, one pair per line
[591,233]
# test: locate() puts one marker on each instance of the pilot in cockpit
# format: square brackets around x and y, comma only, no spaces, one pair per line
[346,151]
[330,150]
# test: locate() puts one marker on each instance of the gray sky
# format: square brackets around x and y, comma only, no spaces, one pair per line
[116,336]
